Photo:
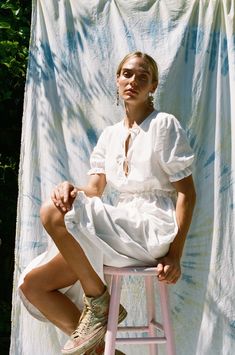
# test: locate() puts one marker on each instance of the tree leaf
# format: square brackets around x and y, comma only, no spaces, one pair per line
[4,24]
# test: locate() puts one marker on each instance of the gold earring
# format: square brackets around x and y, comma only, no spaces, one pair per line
[117,98]
[151,99]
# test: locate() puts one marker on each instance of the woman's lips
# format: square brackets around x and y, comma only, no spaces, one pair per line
[130,91]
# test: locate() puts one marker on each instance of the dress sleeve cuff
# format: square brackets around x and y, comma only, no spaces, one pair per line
[181,174]
[96,171]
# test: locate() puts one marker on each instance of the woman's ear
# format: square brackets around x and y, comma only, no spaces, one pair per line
[154,86]
[117,80]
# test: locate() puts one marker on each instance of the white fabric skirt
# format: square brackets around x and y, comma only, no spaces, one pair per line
[135,232]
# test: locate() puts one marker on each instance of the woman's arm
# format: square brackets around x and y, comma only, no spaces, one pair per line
[169,269]
[64,194]
[95,186]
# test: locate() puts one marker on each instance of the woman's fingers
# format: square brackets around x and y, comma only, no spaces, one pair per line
[74,192]
[172,276]
[56,197]
[160,268]
[66,188]
[61,195]
[168,271]
[68,192]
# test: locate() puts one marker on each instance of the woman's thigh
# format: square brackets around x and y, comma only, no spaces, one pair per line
[53,275]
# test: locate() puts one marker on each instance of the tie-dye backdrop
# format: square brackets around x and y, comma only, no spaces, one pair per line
[70,97]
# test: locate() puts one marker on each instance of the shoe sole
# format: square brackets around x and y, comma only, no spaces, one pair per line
[84,348]
[122,314]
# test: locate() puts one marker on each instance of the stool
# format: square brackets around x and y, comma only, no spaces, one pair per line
[165,326]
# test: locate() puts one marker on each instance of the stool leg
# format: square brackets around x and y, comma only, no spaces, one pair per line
[164,299]
[153,350]
[111,333]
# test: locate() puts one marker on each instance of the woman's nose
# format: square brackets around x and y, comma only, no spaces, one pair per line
[133,80]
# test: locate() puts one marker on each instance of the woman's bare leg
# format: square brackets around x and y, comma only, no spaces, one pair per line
[53,221]
[41,286]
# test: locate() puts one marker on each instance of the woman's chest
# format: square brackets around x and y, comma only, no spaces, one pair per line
[131,154]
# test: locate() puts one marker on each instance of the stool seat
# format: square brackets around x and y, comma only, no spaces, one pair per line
[152,338]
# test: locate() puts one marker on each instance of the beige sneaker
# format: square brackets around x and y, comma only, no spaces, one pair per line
[92,325]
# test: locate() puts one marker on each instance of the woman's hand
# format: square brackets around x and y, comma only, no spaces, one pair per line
[63,196]
[168,269]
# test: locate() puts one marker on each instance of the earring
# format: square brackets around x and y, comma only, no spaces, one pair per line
[117,97]
[151,99]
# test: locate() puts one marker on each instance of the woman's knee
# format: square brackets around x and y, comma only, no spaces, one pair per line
[50,215]
[31,286]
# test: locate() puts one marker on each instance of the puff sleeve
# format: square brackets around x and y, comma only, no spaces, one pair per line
[174,153]
[97,158]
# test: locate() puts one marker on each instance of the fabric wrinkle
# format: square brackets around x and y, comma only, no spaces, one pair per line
[140,226]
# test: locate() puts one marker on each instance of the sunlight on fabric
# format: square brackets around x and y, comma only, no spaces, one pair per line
[70,97]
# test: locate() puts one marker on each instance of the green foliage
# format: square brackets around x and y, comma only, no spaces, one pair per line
[14,41]
[14,37]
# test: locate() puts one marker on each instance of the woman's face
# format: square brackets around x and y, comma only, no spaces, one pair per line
[135,81]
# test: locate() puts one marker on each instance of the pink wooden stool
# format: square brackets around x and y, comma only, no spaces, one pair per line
[165,326]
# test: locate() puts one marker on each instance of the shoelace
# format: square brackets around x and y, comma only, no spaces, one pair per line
[86,320]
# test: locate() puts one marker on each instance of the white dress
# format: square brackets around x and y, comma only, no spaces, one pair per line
[139,228]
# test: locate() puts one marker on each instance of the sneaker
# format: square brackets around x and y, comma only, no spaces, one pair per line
[92,325]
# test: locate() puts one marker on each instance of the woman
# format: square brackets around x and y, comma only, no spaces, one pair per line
[146,158]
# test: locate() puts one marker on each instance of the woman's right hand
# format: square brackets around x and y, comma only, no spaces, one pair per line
[63,196]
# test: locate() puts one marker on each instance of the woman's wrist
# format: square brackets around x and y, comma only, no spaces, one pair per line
[176,248]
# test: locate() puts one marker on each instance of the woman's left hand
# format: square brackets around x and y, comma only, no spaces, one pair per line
[168,269]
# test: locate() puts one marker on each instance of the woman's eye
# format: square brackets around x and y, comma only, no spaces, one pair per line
[126,74]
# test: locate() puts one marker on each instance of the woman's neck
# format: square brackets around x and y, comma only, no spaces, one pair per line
[136,114]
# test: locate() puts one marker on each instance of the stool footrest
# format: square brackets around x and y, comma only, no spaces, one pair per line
[141,328]
[137,329]
[147,340]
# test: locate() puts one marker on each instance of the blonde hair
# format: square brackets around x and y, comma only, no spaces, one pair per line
[150,61]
